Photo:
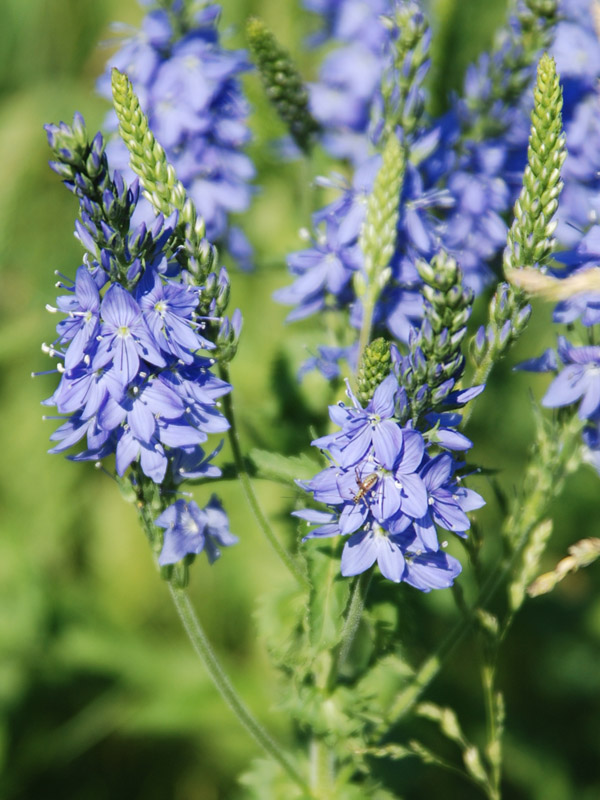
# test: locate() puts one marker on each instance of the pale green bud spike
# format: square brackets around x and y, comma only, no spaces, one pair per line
[378,234]
[147,158]
[377,238]
[283,83]
[530,240]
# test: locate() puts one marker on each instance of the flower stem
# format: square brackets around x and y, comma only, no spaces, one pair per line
[487,682]
[204,651]
[366,327]
[321,768]
[242,472]
[479,378]
[553,459]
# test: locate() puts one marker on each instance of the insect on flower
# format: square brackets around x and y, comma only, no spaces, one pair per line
[364,487]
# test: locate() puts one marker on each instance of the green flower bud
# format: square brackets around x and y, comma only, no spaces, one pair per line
[283,84]
[375,365]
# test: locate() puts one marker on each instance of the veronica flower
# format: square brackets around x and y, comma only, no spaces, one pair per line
[189,88]
[579,380]
[390,511]
[398,559]
[350,75]
[134,382]
[190,529]
[366,428]
[169,310]
[81,326]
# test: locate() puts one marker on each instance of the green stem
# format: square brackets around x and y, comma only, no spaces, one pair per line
[367,325]
[321,769]
[306,188]
[480,377]
[242,472]
[204,651]
[352,621]
[487,683]
[529,513]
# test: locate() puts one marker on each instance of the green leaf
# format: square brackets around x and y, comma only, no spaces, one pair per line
[328,598]
[281,619]
[381,685]
[266,780]
[283,469]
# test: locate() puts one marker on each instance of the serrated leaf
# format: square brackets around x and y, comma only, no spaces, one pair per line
[328,599]
[266,780]
[281,619]
[283,469]
[382,683]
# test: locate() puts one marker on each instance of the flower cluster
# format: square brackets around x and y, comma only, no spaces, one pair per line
[458,184]
[135,345]
[188,86]
[388,493]
[350,75]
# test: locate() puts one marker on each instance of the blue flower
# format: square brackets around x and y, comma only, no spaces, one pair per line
[366,428]
[124,336]
[367,546]
[426,571]
[580,201]
[399,559]
[325,271]
[190,529]
[188,86]
[447,502]
[387,494]
[350,75]
[217,529]
[474,231]
[396,490]
[169,309]
[133,382]
[579,380]
[81,326]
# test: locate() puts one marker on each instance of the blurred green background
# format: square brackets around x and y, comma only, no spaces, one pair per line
[100,694]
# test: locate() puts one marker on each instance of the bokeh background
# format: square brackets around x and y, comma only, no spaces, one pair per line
[100,694]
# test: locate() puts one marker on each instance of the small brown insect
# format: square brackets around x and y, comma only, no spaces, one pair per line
[364,487]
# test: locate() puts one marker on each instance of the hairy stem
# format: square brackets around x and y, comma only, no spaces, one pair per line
[248,488]
[204,651]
